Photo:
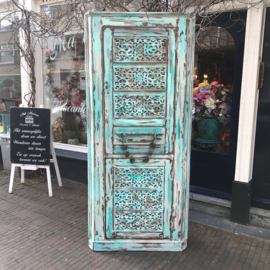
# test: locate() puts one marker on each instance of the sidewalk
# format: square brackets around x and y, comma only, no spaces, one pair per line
[38,232]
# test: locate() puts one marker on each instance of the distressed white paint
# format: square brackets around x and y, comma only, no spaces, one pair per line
[249,93]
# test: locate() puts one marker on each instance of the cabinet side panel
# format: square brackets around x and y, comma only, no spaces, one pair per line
[180,146]
[98,146]
[89,109]
[188,111]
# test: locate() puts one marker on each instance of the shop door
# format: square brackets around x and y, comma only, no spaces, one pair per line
[219,58]
[139,108]
[261,167]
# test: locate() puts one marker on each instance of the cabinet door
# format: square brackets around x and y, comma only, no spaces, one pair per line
[139,108]
[138,199]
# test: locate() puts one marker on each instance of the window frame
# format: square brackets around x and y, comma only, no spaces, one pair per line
[13,50]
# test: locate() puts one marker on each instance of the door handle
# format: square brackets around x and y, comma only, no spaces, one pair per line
[127,154]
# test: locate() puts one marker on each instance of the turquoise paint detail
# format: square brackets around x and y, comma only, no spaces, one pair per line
[209,129]
[139,82]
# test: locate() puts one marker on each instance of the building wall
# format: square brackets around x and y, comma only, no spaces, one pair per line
[248,104]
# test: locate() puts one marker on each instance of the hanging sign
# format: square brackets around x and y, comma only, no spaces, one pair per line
[30,135]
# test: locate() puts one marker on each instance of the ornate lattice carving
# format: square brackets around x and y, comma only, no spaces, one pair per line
[147,106]
[139,78]
[138,199]
[139,49]
[138,177]
[138,221]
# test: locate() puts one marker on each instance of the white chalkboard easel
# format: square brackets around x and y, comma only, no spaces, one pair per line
[36,167]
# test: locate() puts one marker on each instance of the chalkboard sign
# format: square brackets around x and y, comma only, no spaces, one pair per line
[30,135]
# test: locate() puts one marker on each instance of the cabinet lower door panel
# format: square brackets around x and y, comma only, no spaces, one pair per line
[138,204]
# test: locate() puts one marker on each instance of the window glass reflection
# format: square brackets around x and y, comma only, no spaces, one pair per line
[212,94]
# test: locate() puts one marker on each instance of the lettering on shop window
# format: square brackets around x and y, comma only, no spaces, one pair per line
[63,45]
[81,110]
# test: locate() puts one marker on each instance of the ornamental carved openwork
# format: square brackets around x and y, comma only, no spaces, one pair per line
[139,78]
[138,199]
[140,49]
[141,105]
[138,177]
[138,221]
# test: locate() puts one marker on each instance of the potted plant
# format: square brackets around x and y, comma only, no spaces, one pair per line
[211,109]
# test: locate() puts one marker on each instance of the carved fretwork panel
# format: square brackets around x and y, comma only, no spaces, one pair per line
[139,49]
[140,105]
[138,199]
[138,189]
[138,221]
[138,177]
[137,78]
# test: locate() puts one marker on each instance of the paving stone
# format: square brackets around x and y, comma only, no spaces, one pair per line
[38,232]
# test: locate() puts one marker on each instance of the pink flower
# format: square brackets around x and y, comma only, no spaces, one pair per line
[213,95]
[48,53]
[202,102]
[214,83]
[223,92]
[207,96]
[201,95]
[76,103]
[214,90]
[224,98]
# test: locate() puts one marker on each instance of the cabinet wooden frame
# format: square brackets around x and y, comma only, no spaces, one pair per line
[180,29]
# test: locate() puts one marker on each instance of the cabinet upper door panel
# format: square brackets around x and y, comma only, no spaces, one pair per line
[139,88]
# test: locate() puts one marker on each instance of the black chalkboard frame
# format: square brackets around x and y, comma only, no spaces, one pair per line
[30,135]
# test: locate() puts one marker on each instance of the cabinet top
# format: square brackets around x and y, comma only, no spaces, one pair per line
[137,14]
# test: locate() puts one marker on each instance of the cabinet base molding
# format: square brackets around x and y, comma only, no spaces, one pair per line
[139,245]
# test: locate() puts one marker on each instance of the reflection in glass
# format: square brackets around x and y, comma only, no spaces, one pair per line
[64,82]
[212,94]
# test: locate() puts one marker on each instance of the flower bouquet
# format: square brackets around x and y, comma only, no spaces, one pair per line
[212,102]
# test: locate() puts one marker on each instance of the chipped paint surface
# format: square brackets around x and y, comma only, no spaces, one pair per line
[139,90]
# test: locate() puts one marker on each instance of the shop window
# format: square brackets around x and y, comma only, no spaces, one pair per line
[7,53]
[10,71]
[64,84]
[213,90]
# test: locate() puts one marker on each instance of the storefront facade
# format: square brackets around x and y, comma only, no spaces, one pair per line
[230,52]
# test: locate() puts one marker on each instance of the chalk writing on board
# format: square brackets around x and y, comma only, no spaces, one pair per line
[30,135]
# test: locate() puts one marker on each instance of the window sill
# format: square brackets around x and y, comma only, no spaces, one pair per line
[7,63]
[67,154]
[69,147]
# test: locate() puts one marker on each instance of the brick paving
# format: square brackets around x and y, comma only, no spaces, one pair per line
[38,232]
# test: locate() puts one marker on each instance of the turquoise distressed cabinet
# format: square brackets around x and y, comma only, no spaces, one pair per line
[139,89]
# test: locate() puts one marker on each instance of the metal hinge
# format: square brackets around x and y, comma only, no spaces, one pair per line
[261,75]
